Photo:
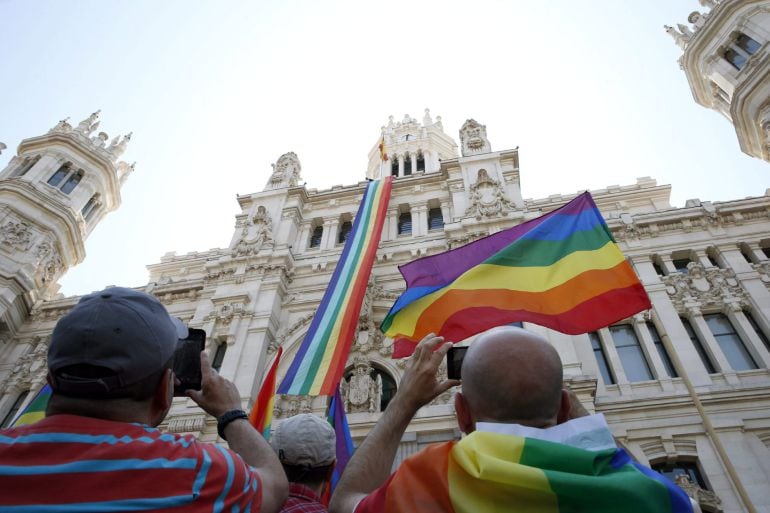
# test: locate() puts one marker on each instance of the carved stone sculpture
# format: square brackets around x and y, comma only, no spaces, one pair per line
[487,198]
[473,138]
[286,171]
[705,498]
[256,233]
[89,124]
[704,287]
[680,38]
[16,234]
[361,392]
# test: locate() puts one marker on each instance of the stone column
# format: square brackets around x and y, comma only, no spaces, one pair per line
[648,346]
[445,212]
[303,241]
[392,224]
[325,235]
[421,224]
[667,264]
[401,165]
[414,162]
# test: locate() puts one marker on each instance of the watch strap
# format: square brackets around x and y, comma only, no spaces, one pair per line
[226,418]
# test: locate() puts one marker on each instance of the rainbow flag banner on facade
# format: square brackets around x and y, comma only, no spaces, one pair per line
[261,415]
[320,360]
[35,410]
[562,270]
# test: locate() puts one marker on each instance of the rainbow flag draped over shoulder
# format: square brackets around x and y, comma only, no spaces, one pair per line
[35,410]
[487,472]
[562,270]
[261,415]
[320,360]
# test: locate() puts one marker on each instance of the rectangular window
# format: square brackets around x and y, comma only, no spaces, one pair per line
[435,219]
[736,59]
[58,176]
[630,352]
[405,224]
[730,343]
[757,330]
[681,264]
[704,357]
[678,468]
[315,238]
[71,183]
[601,359]
[662,350]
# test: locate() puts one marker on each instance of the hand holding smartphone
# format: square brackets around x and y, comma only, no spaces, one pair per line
[187,362]
[454,361]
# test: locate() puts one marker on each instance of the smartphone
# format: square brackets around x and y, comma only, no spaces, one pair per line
[187,361]
[454,361]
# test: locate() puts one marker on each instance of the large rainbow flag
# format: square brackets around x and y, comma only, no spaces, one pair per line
[35,410]
[486,472]
[261,415]
[562,270]
[320,360]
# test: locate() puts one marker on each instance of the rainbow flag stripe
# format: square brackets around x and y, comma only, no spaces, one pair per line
[261,415]
[562,270]
[320,360]
[35,410]
[490,472]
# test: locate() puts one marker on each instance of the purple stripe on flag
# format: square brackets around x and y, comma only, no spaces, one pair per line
[444,268]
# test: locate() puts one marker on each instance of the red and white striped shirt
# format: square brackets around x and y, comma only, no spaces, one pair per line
[67,463]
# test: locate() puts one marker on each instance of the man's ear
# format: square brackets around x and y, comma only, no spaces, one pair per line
[164,394]
[465,420]
[565,408]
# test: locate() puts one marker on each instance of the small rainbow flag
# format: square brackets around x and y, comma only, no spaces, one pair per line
[344,444]
[35,410]
[261,416]
[320,360]
[562,270]
[496,472]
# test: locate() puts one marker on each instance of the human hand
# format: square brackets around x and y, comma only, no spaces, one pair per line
[217,394]
[419,385]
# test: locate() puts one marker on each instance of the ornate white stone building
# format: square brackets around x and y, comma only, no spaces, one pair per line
[685,386]
[727,62]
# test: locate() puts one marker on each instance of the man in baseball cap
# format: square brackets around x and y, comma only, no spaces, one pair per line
[110,368]
[306,447]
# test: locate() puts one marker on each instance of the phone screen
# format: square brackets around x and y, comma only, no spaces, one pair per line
[187,361]
[454,361]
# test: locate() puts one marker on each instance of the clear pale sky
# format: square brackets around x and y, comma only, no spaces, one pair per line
[214,92]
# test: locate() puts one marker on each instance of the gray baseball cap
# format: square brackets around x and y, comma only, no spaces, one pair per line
[305,440]
[125,331]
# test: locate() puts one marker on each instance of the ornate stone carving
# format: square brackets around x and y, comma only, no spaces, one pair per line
[681,39]
[487,198]
[89,124]
[286,171]
[29,368]
[49,265]
[705,498]
[764,272]
[361,392]
[16,234]
[473,138]
[706,287]
[257,232]
[290,405]
[284,333]
[186,424]
[62,126]
[465,238]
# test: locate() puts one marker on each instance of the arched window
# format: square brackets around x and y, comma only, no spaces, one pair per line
[14,409]
[72,182]
[388,387]
[90,206]
[405,224]
[435,219]
[25,166]
[58,176]
[420,162]
[394,167]
[407,165]
[747,44]
[219,356]
[345,230]
[737,60]
[315,237]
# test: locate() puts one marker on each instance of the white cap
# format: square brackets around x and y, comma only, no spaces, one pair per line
[305,440]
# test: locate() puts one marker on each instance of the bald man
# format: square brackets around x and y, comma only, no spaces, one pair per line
[527,448]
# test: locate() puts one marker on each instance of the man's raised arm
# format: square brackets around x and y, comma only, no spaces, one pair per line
[370,465]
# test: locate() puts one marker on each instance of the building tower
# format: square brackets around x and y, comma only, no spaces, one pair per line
[411,147]
[52,194]
[727,63]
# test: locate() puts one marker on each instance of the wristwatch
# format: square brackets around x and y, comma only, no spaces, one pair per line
[226,418]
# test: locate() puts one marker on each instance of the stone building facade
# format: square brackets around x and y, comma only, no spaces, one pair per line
[726,58]
[685,385]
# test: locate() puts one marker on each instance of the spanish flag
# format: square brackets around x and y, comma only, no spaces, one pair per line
[383,153]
